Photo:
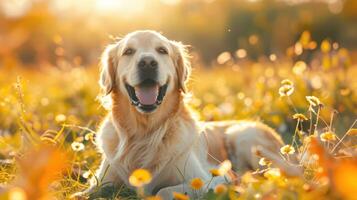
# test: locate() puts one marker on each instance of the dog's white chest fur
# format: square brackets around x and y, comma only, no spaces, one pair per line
[159,151]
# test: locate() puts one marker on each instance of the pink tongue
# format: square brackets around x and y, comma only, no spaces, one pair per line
[147,95]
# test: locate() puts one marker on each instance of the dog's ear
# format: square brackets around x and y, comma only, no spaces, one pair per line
[108,69]
[182,64]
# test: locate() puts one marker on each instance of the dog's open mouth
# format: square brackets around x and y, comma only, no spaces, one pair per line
[147,95]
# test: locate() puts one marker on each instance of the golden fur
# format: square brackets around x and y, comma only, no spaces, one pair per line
[170,142]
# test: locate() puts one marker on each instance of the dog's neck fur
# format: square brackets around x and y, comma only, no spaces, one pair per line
[159,128]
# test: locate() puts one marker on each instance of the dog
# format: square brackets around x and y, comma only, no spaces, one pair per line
[150,126]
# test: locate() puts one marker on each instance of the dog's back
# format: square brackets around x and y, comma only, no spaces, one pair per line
[244,143]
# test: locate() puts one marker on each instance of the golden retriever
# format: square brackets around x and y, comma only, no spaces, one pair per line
[149,126]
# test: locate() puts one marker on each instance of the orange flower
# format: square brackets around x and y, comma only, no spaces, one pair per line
[344,179]
[220,189]
[38,168]
[153,198]
[196,183]
[180,196]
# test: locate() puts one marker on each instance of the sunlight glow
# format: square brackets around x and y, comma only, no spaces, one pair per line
[120,6]
[171,2]
[15,8]
[105,5]
[124,8]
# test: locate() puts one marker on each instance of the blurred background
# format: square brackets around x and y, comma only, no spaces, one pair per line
[37,32]
[241,50]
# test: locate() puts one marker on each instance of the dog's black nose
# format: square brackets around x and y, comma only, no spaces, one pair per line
[148,62]
[148,68]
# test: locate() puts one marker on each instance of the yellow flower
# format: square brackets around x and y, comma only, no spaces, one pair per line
[224,57]
[287,82]
[286,90]
[77,146]
[180,196]
[299,67]
[60,118]
[326,62]
[248,178]
[300,117]
[328,136]
[325,46]
[272,173]
[87,174]
[220,189]
[313,101]
[308,139]
[301,133]
[89,136]
[223,168]
[140,177]
[305,38]
[196,183]
[287,149]
[264,162]
[214,172]
[153,198]
[232,194]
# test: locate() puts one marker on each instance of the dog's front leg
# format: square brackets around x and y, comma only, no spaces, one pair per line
[167,192]
[105,176]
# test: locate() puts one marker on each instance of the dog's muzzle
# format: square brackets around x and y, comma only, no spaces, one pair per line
[147,96]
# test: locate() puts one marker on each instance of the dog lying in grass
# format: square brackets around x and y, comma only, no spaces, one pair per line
[149,125]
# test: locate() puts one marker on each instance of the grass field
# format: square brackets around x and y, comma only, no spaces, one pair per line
[49,117]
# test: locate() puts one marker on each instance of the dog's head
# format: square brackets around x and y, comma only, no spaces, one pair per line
[145,67]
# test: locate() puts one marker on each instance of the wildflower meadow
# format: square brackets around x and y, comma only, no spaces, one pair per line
[51,108]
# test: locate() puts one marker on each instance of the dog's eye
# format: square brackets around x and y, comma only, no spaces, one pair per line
[162,50]
[128,52]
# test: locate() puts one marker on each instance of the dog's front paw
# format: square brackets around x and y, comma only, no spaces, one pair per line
[79,196]
[165,194]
